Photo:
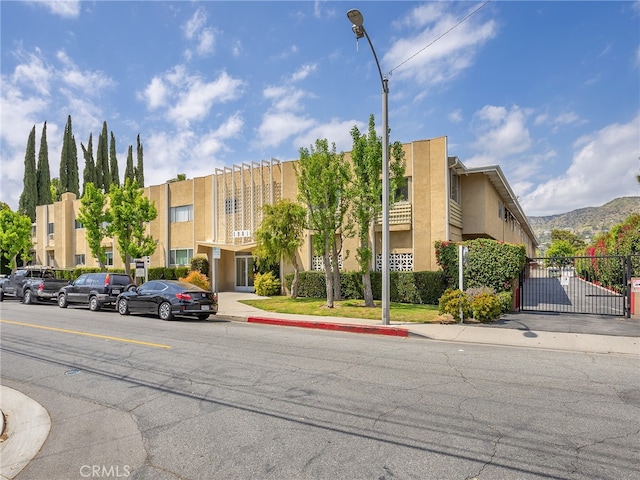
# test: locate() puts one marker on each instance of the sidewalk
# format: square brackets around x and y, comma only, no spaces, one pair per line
[556,332]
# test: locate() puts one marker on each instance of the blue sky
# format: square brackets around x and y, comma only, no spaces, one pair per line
[550,91]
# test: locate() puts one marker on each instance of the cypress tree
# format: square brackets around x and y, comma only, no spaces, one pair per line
[43,174]
[139,172]
[103,175]
[69,181]
[113,161]
[74,176]
[29,196]
[89,173]
[129,172]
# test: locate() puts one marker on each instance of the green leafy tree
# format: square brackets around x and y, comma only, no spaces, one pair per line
[280,235]
[69,179]
[103,174]
[129,172]
[139,170]
[15,236]
[29,196]
[113,162]
[323,178]
[43,174]
[94,217]
[56,191]
[366,156]
[560,252]
[178,178]
[89,173]
[130,212]
[574,240]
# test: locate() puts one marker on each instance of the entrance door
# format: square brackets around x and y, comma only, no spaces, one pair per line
[244,272]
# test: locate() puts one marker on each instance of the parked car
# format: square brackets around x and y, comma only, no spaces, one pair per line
[33,283]
[95,290]
[167,299]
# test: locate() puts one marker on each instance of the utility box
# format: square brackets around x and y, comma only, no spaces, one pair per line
[635,298]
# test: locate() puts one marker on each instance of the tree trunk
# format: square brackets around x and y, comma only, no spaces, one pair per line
[368,293]
[328,275]
[127,264]
[336,274]
[294,284]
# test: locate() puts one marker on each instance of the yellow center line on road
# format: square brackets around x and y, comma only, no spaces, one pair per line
[86,334]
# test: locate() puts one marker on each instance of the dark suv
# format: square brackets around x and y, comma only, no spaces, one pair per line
[95,290]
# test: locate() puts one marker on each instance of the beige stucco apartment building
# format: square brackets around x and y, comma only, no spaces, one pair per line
[217,215]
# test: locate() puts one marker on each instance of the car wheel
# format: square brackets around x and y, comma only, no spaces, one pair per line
[203,316]
[164,311]
[62,300]
[131,288]
[94,305]
[1,295]
[27,297]
[123,307]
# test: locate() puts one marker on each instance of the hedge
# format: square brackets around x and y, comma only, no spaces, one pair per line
[404,287]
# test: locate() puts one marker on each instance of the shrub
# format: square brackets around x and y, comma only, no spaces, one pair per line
[491,263]
[197,278]
[405,290]
[200,264]
[485,307]
[506,301]
[453,301]
[311,284]
[266,284]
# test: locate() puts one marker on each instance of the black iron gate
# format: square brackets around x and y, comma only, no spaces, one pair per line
[596,285]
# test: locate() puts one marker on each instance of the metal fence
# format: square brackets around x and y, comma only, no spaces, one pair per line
[592,285]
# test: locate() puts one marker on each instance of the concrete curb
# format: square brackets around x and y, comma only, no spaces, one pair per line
[27,428]
[341,327]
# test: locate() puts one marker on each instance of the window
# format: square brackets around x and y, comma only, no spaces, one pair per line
[50,228]
[230,205]
[403,190]
[108,259]
[180,256]
[80,259]
[33,230]
[78,224]
[51,259]
[454,185]
[181,214]
[500,210]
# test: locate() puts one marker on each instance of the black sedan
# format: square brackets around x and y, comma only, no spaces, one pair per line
[167,299]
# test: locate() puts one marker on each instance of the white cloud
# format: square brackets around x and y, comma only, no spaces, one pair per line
[303,72]
[455,116]
[335,131]
[445,58]
[87,82]
[34,72]
[155,94]
[501,132]
[277,126]
[604,166]
[195,101]
[195,29]
[63,8]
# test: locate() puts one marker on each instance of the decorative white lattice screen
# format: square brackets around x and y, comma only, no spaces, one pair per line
[398,262]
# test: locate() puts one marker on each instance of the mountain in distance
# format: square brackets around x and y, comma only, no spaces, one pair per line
[587,222]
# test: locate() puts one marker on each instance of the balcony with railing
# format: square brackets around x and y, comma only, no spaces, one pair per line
[399,214]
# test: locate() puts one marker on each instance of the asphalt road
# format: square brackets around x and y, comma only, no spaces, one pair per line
[135,397]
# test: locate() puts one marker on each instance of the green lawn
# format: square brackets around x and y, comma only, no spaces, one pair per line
[399,312]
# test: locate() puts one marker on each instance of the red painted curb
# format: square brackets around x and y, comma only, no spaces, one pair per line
[342,327]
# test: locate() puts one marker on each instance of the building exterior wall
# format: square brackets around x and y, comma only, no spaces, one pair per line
[226,210]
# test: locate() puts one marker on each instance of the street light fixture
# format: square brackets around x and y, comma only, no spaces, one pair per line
[357,21]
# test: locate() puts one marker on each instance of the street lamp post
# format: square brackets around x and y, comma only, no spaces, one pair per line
[358,28]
